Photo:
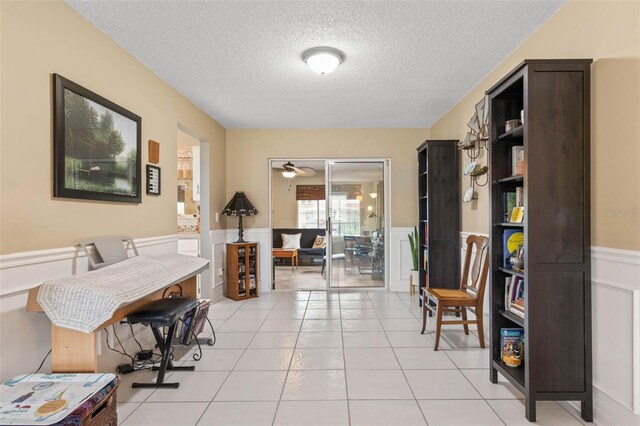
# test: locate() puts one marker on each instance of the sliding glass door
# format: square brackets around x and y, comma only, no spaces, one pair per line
[355,211]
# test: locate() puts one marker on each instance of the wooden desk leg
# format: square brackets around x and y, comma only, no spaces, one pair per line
[73,351]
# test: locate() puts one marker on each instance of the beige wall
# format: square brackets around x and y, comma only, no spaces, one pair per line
[284,204]
[248,152]
[41,38]
[608,32]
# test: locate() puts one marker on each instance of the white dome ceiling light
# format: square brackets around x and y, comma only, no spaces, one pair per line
[323,60]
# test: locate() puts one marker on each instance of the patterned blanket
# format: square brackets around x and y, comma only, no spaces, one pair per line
[83,302]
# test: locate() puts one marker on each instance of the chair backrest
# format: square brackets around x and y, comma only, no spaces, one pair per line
[105,251]
[474,275]
[350,241]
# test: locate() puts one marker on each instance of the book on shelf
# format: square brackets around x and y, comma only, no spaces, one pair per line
[509,203]
[511,241]
[425,252]
[517,160]
[519,196]
[517,215]
[507,292]
[516,297]
[512,346]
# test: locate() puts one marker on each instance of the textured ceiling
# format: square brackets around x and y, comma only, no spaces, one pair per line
[407,62]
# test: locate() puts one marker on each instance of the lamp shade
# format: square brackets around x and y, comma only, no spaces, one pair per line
[239,205]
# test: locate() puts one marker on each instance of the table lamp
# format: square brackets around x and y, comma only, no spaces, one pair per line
[239,206]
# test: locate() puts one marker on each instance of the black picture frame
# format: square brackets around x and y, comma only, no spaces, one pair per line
[90,134]
[152,188]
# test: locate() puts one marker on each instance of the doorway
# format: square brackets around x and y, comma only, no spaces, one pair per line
[341,206]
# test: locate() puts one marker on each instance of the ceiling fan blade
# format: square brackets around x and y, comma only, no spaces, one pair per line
[298,170]
[309,171]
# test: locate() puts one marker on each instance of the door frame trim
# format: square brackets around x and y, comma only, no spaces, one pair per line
[387,211]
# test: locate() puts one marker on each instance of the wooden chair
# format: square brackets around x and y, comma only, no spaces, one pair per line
[469,297]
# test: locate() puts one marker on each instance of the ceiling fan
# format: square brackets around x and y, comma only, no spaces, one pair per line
[289,170]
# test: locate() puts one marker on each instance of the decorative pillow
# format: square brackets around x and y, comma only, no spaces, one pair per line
[320,242]
[291,241]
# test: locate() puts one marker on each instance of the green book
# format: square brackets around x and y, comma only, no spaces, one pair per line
[510,203]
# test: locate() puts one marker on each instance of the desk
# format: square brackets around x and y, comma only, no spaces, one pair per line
[76,352]
[287,254]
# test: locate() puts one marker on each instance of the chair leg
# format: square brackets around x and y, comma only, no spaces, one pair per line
[480,328]
[424,316]
[464,318]
[439,311]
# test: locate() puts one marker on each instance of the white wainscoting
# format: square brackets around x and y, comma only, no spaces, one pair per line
[615,289]
[218,268]
[615,286]
[400,262]
[26,337]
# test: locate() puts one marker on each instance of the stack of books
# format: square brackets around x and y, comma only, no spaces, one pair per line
[514,295]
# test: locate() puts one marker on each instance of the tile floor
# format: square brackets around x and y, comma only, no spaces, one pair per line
[316,358]
[309,278]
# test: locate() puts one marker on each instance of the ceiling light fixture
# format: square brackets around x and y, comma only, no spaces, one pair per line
[323,60]
[373,195]
[288,174]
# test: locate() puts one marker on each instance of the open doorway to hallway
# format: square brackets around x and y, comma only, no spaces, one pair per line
[328,223]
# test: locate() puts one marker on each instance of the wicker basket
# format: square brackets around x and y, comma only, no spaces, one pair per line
[97,411]
[104,413]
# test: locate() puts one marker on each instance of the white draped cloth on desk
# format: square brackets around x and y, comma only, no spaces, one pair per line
[85,301]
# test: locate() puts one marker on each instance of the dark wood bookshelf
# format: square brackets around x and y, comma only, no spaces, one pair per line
[439,213]
[512,317]
[516,133]
[514,375]
[557,355]
[511,224]
[511,179]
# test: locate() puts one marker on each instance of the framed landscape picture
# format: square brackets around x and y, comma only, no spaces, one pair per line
[96,146]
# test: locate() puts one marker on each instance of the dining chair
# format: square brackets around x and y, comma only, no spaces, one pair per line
[469,297]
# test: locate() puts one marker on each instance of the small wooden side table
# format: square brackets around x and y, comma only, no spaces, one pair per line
[287,254]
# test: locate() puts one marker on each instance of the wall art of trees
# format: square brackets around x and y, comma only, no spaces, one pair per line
[96,154]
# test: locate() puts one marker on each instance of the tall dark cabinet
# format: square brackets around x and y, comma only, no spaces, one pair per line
[439,214]
[554,95]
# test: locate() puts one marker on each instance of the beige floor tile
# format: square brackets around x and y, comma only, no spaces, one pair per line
[200,386]
[370,359]
[312,413]
[469,358]
[317,359]
[378,384]
[319,339]
[239,414]
[365,339]
[252,386]
[459,413]
[166,414]
[440,384]
[274,340]
[217,360]
[501,390]
[321,325]
[385,413]
[125,409]
[286,325]
[548,413]
[240,326]
[361,325]
[315,385]
[423,359]
[409,339]
[265,359]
